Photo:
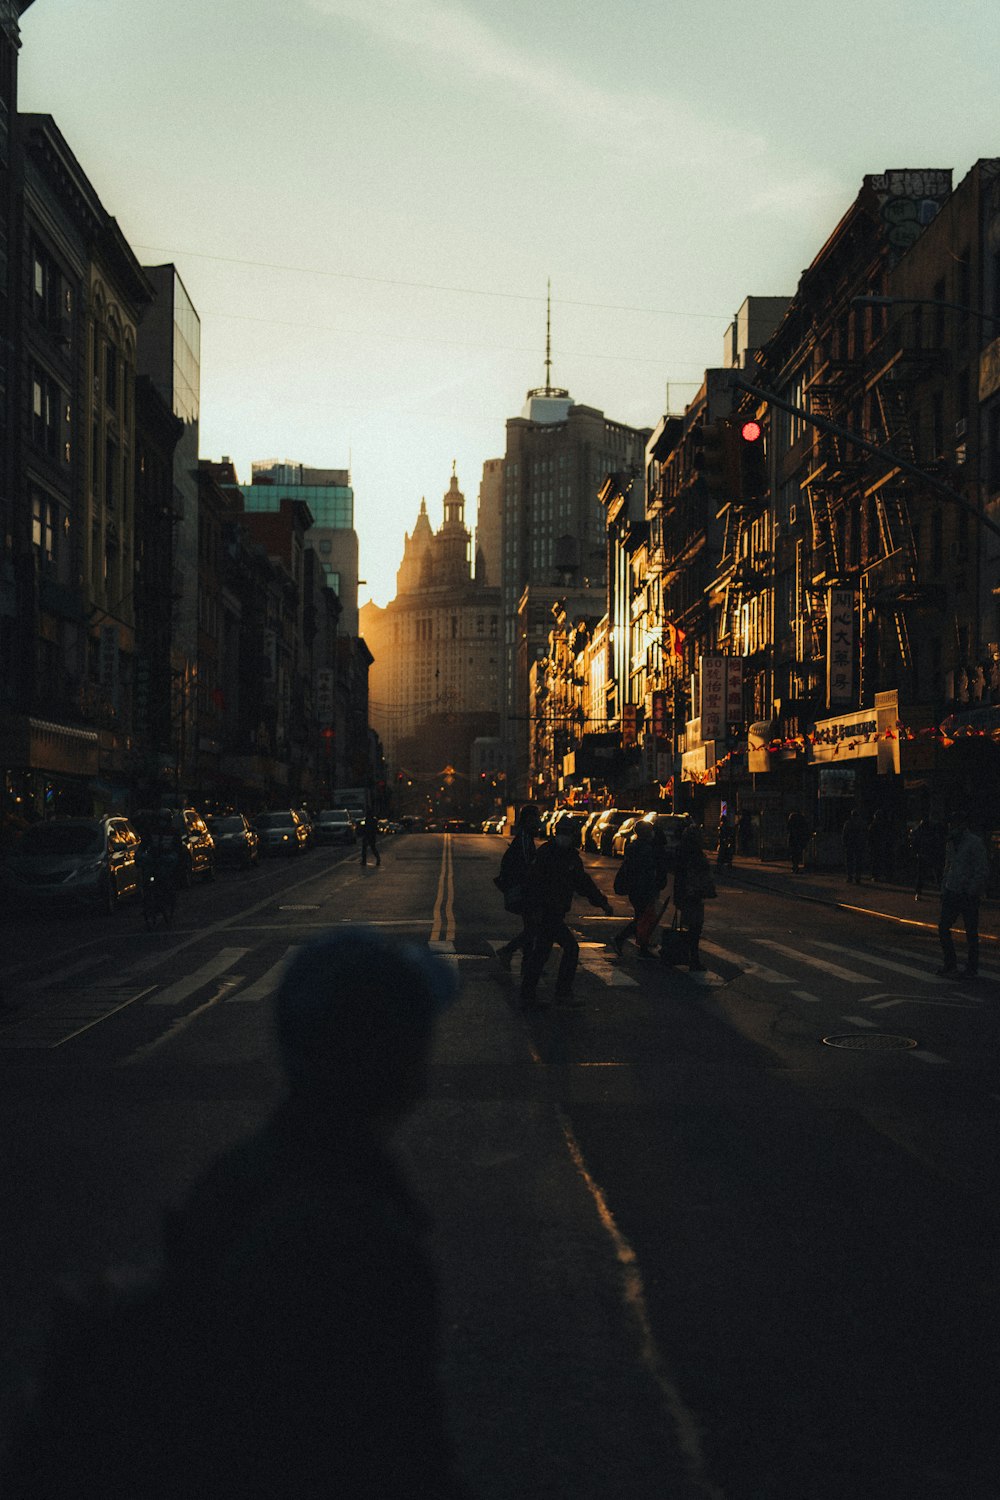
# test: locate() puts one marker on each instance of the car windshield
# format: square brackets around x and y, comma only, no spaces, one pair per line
[226,825]
[336,816]
[275,820]
[62,839]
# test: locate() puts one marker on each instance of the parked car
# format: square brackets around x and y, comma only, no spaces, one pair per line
[197,843]
[236,839]
[609,823]
[571,818]
[670,826]
[334,825]
[622,835]
[587,828]
[73,861]
[281,833]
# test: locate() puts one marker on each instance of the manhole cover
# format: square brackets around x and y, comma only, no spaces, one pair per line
[870,1041]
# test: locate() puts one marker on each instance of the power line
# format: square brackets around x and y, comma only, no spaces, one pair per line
[430,286]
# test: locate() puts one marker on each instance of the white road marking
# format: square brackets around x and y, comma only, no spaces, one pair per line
[928,1057]
[849,976]
[596,962]
[174,994]
[806,995]
[860,1021]
[264,987]
[748,965]
[882,963]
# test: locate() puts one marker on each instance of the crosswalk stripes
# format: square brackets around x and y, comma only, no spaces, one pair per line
[741,961]
[837,971]
[596,960]
[878,963]
[176,993]
[264,987]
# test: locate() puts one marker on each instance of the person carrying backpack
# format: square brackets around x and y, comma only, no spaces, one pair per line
[641,876]
[512,882]
[556,876]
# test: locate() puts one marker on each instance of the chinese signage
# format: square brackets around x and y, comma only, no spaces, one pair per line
[840,632]
[324,695]
[721,695]
[628,724]
[713,697]
[659,706]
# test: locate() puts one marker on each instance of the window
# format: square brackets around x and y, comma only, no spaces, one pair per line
[111,375]
[43,526]
[46,411]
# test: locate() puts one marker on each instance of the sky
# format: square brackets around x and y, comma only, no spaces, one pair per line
[366,201]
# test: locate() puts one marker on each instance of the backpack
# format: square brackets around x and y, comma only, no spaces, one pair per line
[512,880]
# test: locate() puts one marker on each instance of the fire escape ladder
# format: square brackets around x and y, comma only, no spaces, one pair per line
[903,638]
[821,405]
[896,529]
[894,410]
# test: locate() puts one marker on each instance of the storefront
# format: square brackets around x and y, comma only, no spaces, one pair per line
[48,769]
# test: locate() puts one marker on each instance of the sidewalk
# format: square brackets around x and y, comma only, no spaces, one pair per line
[890,900]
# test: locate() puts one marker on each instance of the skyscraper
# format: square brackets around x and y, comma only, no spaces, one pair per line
[553,531]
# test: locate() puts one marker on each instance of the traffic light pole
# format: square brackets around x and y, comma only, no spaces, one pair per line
[891,459]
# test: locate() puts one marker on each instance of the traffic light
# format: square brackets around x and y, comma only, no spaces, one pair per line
[716,458]
[752,465]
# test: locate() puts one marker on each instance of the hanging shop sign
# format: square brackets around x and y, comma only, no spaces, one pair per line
[699,765]
[841,630]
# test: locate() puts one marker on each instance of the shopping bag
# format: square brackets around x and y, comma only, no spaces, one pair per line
[674,944]
[647,922]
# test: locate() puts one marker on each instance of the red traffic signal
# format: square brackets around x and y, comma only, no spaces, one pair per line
[750,431]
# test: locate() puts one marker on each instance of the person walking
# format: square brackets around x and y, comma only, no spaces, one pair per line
[512,881]
[854,836]
[726,844]
[693,885]
[641,876]
[290,1344]
[964,884]
[369,835]
[556,876]
[798,838]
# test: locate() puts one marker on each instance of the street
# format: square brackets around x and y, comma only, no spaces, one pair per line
[725,1235]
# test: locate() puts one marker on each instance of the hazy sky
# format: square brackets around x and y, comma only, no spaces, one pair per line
[365,200]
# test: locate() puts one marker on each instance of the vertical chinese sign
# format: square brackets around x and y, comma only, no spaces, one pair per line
[713,697]
[841,629]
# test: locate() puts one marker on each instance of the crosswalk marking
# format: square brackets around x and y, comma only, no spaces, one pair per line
[748,965]
[174,994]
[263,987]
[878,963]
[595,960]
[849,976]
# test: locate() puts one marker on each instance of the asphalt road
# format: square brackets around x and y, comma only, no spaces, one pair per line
[687,1246]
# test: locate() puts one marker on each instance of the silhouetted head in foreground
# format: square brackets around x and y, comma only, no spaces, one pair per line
[354,1016]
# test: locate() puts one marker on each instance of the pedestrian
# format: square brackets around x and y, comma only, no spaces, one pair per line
[641,877]
[512,881]
[854,836]
[693,886]
[556,876]
[745,827]
[798,838]
[924,843]
[965,876]
[726,844]
[369,834]
[290,1345]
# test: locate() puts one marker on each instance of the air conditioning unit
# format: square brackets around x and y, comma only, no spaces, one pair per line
[961,427]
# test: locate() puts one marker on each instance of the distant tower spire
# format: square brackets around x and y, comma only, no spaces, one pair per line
[548,389]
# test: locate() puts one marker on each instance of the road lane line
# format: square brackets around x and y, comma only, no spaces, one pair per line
[860,1021]
[443,919]
[263,987]
[806,995]
[928,1057]
[849,976]
[176,1027]
[175,994]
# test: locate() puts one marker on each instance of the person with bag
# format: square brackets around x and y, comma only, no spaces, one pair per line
[512,881]
[556,876]
[693,886]
[641,876]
